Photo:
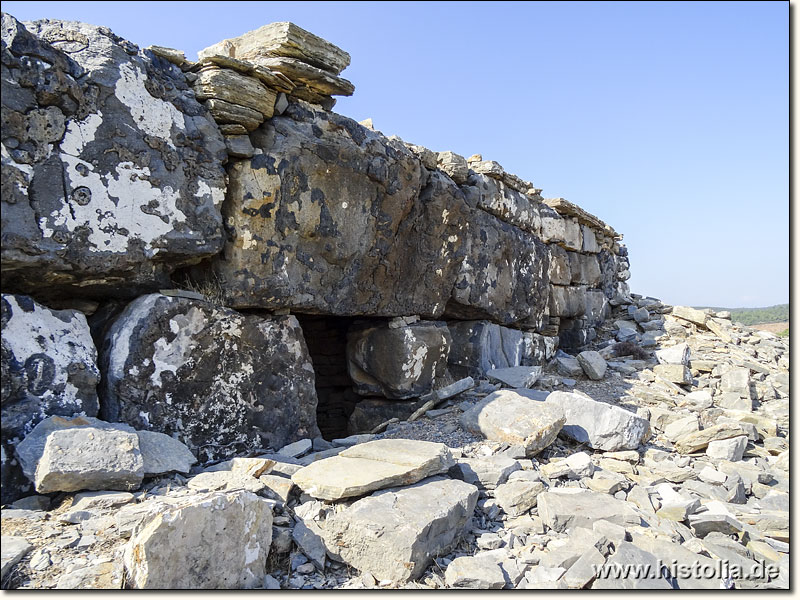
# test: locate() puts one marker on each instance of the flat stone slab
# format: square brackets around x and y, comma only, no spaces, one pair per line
[508,416]
[561,511]
[701,439]
[475,572]
[602,426]
[395,533]
[13,549]
[378,464]
[515,377]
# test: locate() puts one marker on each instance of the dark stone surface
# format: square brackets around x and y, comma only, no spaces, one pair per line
[48,368]
[114,172]
[222,382]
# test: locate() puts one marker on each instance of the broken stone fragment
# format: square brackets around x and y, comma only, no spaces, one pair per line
[395,533]
[240,525]
[374,465]
[592,364]
[454,165]
[508,416]
[233,87]
[700,439]
[603,426]
[581,508]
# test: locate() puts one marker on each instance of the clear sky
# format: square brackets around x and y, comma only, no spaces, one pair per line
[669,120]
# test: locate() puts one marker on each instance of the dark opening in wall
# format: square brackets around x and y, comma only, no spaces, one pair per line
[326,338]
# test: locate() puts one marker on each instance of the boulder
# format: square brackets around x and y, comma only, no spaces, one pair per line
[700,439]
[219,381]
[515,377]
[163,454]
[378,464]
[678,354]
[561,510]
[485,472]
[479,346]
[519,496]
[508,416]
[731,449]
[89,458]
[592,364]
[454,165]
[476,572]
[219,540]
[602,426]
[117,177]
[397,363]
[395,533]
[736,381]
[49,368]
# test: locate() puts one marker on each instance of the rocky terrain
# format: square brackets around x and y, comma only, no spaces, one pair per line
[250,343]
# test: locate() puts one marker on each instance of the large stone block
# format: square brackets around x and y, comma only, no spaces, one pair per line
[584,269]
[397,363]
[222,382]
[567,301]
[560,273]
[480,346]
[48,368]
[115,177]
[395,533]
[507,204]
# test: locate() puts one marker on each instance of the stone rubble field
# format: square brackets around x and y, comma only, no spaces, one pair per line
[675,454]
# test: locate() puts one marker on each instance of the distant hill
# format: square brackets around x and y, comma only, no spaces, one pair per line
[754,316]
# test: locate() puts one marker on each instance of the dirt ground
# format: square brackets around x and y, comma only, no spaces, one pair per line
[772,327]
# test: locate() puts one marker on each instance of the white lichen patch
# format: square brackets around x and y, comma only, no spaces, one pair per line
[172,355]
[153,116]
[114,213]
[80,133]
[412,366]
[41,332]
[206,192]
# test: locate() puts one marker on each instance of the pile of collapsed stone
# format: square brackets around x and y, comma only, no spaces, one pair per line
[680,458]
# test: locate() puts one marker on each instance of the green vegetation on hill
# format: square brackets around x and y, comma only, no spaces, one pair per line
[755,316]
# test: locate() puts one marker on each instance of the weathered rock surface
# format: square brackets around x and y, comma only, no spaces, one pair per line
[163,454]
[211,541]
[395,533]
[364,468]
[397,363]
[116,175]
[560,511]
[14,549]
[602,426]
[515,377]
[48,368]
[507,416]
[592,364]
[220,381]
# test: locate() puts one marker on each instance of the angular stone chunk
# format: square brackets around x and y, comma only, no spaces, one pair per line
[230,86]
[163,454]
[679,373]
[485,472]
[561,511]
[318,80]
[48,368]
[397,363]
[729,449]
[219,540]
[476,572]
[14,549]
[220,381]
[698,317]
[282,39]
[89,458]
[602,426]
[678,354]
[628,554]
[97,213]
[395,533]
[519,496]
[364,468]
[700,439]
[592,364]
[507,416]
[230,113]
[515,377]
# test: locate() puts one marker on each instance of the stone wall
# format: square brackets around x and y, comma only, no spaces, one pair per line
[191,209]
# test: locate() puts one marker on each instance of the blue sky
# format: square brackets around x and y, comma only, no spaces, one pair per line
[669,120]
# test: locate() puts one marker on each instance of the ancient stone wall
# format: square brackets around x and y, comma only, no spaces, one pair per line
[190,210]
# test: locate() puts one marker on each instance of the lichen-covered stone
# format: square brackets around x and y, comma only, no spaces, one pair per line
[48,368]
[112,172]
[222,382]
[397,363]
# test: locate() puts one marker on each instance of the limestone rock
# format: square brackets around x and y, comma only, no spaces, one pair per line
[602,426]
[397,363]
[218,380]
[731,449]
[592,364]
[700,439]
[89,458]
[485,472]
[14,549]
[232,87]
[628,554]
[674,355]
[171,550]
[474,572]
[48,368]
[508,416]
[454,165]
[674,373]
[315,79]
[395,533]
[515,377]
[698,317]
[90,211]
[561,511]
[519,496]
[163,454]
[371,412]
[282,39]
[374,465]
